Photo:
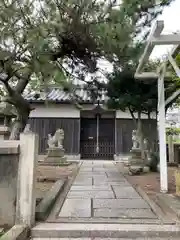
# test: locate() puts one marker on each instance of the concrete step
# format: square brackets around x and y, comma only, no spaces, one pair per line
[128,231]
[105,239]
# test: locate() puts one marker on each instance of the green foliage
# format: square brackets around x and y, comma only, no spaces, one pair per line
[173,84]
[124,91]
[41,37]
[154,161]
[172,131]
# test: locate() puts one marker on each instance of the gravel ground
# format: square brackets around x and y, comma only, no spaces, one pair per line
[150,182]
[47,175]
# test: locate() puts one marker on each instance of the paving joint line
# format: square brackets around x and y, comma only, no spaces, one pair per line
[92,210]
[113,192]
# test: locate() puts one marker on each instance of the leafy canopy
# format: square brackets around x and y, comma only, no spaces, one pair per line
[52,41]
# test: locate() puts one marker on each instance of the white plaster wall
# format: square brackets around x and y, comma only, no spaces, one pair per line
[120,114]
[70,111]
[53,111]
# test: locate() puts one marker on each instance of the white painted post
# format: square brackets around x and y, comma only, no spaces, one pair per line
[26,199]
[162,133]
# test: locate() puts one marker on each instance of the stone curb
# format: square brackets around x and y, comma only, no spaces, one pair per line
[81,230]
[43,208]
[61,198]
[17,232]
[169,206]
[55,164]
[50,179]
[66,164]
[109,221]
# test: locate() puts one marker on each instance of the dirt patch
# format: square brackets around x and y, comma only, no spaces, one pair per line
[150,182]
[47,175]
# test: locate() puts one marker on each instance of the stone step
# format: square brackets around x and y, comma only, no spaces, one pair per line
[158,238]
[81,230]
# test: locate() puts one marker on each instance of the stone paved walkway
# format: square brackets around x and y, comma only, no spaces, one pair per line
[100,191]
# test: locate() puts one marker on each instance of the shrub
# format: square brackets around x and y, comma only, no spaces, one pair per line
[154,161]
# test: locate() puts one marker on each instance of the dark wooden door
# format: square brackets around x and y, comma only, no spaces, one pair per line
[89,138]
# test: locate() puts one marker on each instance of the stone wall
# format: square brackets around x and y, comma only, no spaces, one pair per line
[9,159]
[18,162]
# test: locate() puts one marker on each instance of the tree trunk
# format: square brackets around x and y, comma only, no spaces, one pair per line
[150,139]
[17,127]
[140,134]
[171,149]
[20,122]
[133,117]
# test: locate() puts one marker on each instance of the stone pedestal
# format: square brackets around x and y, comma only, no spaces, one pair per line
[55,157]
[135,161]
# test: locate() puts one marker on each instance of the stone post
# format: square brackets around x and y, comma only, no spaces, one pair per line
[26,198]
[171,148]
[4,132]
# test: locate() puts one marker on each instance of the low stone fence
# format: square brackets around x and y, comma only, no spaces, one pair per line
[9,159]
[18,161]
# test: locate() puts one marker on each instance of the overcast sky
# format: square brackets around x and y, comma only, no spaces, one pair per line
[171,17]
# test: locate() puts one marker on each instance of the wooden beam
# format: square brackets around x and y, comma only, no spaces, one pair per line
[150,75]
[156,31]
[174,65]
[175,50]
[172,39]
[172,97]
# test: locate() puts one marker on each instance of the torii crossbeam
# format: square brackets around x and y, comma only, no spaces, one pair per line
[156,38]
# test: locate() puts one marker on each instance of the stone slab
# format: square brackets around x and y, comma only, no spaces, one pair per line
[86,169]
[90,194]
[66,239]
[83,181]
[100,179]
[124,213]
[105,239]
[76,208]
[125,192]
[109,183]
[120,203]
[110,170]
[132,238]
[89,174]
[91,188]
[83,178]
[109,179]
[116,179]
[99,169]
[110,174]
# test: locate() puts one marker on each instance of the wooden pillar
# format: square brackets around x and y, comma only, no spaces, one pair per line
[162,133]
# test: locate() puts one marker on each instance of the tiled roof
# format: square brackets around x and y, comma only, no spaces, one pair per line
[58,95]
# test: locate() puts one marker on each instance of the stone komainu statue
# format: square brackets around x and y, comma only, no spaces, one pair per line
[57,139]
[135,139]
